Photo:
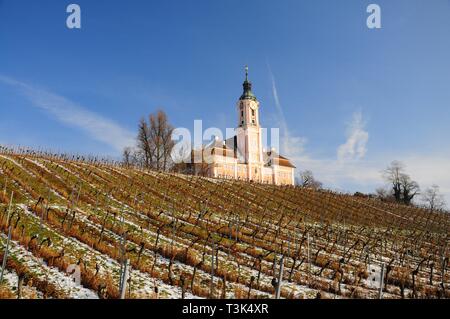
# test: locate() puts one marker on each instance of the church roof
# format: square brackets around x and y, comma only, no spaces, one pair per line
[247,94]
[216,145]
[273,157]
[231,142]
[215,142]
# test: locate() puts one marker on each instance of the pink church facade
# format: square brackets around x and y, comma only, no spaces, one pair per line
[243,157]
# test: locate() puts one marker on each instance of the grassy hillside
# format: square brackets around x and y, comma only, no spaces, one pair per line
[180,231]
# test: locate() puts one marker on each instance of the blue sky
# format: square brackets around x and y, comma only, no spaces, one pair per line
[348,99]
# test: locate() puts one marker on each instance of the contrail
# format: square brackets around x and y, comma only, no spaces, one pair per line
[291,145]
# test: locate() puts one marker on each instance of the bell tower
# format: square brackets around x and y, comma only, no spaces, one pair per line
[249,139]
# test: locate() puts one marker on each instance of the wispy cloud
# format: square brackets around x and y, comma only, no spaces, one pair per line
[72,114]
[355,147]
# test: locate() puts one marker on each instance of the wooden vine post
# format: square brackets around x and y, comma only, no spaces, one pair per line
[5,255]
[309,261]
[380,291]
[211,288]
[44,210]
[4,189]
[280,278]
[124,279]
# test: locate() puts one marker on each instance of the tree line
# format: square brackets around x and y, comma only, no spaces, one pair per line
[401,189]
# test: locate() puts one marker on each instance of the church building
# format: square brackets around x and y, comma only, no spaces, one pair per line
[242,157]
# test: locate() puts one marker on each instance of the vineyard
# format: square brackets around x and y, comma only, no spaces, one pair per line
[182,236]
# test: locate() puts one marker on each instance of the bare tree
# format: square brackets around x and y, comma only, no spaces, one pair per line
[433,199]
[384,194]
[392,175]
[154,141]
[307,180]
[127,156]
[404,189]
[161,139]
[144,143]
[409,188]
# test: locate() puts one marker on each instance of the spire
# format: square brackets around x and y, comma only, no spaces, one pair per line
[248,94]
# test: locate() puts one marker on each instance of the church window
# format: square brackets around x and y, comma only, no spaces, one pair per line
[253,112]
[242,113]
